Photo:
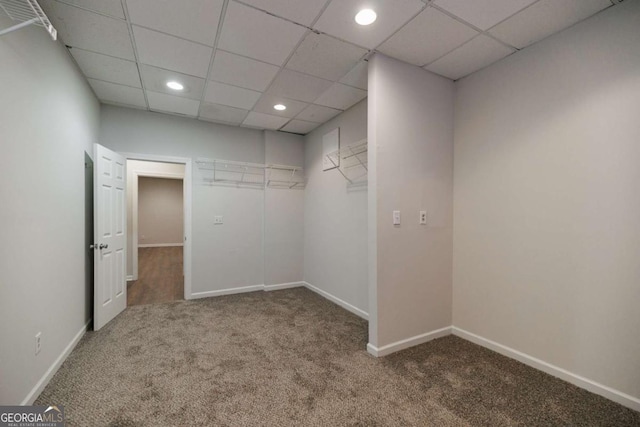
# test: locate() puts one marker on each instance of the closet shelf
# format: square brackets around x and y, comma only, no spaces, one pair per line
[351,162]
[282,176]
[25,13]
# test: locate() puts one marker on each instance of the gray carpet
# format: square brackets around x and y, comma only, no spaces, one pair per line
[293,358]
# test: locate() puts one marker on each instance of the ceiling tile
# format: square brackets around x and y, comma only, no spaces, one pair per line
[427,37]
[220,93]
[107,68]
[324,56]
[300,11]
[240,71]
[195,20]
[470,57]
[358,76]
[172,53]
[267,101]
[302,87]
[264,121]
[258,35]
[172,104]
[484,14]
[338,20]
[90,31]
[107,7]
[111,92]
[341,96]
[545,18]
[222,114]
[318,113]
[300,126]
[155,79]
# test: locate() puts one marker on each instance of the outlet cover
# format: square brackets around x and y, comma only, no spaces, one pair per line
[217,219]
[423,217]
[38,342]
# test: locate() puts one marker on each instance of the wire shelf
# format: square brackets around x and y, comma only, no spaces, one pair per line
[351,161]
[287,177]
[25,13]
[229,172]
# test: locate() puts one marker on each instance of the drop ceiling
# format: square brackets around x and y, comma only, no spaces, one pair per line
[237,59]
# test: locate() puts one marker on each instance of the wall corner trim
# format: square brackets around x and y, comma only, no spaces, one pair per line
[577,380]
[44,380]
[353,309]
[408,342]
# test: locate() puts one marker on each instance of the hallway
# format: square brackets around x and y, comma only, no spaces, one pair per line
[160,277]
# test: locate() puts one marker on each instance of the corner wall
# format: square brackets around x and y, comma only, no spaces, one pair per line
[547,213]
[411,160]
[48,119]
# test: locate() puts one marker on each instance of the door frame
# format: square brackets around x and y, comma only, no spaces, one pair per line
[188,209]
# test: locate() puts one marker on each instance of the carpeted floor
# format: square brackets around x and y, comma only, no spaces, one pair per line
[293,358]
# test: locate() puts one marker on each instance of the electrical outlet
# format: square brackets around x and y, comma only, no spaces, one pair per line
[38,342]
[423,217]
[217,219]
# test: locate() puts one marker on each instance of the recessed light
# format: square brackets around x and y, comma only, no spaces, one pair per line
[174,85]
[280,107]
[366,17]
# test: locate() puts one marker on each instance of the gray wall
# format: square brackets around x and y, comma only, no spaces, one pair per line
[547,213]
[226,256]
[160,211]
[48,119]
[411,158]
[335,217]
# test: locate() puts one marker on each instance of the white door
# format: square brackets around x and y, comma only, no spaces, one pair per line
[110,289]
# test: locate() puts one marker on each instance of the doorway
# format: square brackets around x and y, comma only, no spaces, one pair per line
[156,219]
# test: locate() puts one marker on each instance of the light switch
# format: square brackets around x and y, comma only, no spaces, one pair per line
[217,219]
[423,217]
[396,217]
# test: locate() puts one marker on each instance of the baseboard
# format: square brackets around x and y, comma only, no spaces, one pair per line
[42,383]
[280,286]
[160,245]
[408,342]
[229,291]
[129,278]
[582,382]
[355,310]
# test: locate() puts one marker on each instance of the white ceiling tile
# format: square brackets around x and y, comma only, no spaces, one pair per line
[470,57]
[240,71]
[107,7]
[264,121]
[300,126]
[155,79]
[484,14]
[90,31]
[111,92]
[222,114]
[172,104]
[195,20]
[300,11]
[317,114]
[545,18]
[172,53]
[267,101]
[107,68]
[338,19]
[302,87]
[358,76]
[427,37]
[324,56]
[341,96]
[258,35]
[220,93]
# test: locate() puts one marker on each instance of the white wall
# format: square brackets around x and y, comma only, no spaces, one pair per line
[227,256]
[335,217]
[160,211]
[547,213]
[140,167]
[48,119]
[284,214]
[411,157]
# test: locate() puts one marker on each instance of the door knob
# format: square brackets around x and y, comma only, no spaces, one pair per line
[103,246]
